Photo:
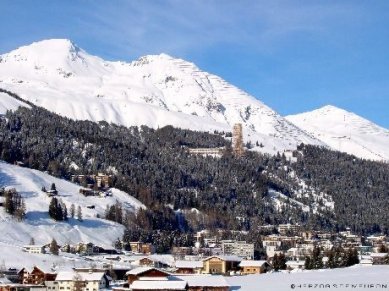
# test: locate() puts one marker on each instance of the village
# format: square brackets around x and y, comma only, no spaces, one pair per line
[204,266]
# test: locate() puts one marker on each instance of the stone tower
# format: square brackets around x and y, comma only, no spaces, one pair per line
[237,139]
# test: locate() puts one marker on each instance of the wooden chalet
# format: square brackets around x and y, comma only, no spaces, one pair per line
[254,267]
[142,273]
[188,267]
[221,264]
[37,276]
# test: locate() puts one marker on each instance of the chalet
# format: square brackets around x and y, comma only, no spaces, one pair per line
[38,276]
[188,267]
[220,264]
[34,249]
[142,248]
[254,267]
[143,273]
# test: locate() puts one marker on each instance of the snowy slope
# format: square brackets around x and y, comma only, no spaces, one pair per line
[39,225]
[346,132]
[9,103]
[155,90]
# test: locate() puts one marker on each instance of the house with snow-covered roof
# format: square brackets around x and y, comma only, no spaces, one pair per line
[38,276]
[254,267]
[92,281]
[188,267]
[204,282]
[221,264]
[146,273]
[142,285]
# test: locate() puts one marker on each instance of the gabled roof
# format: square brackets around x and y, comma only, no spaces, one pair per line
[203,280]
[225,258]
[84,276]
[252,263]
[189,264]
[159,285]
[141,270]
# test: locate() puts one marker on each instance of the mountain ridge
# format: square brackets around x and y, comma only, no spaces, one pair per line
[155,90]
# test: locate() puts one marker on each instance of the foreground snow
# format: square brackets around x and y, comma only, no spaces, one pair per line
[41,227]
[357,278]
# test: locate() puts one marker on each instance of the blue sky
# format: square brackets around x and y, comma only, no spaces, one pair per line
[294,56]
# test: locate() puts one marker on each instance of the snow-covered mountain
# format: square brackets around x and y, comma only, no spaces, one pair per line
[41,227]
[156,90]
[345,131]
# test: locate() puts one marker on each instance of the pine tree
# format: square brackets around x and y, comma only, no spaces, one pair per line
[282,261]
[65,211]
[308,263]
[53,187]
[54,248]
[32,241]
[118,244]
[55,209]
[79,213]
[72,210]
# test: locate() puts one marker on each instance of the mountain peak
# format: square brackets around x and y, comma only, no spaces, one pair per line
[47,46]
[45,52]
[331,109]
[345,131]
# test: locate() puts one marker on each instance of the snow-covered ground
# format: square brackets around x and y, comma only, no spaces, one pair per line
[155,90]
[345,131]
[353,278]
[9,103]
[41,227]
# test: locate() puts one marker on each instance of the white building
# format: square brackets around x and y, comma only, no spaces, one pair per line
[238,248]
[34,249]
[88,281]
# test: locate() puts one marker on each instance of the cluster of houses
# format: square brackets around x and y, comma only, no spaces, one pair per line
[140,269]
[153,272]
[296,244]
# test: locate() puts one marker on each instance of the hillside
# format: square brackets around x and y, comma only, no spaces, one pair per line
[41,227]
[346,132]
[155,91]
[318,188]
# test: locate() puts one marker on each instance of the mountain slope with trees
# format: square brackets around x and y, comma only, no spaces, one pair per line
[155,166]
